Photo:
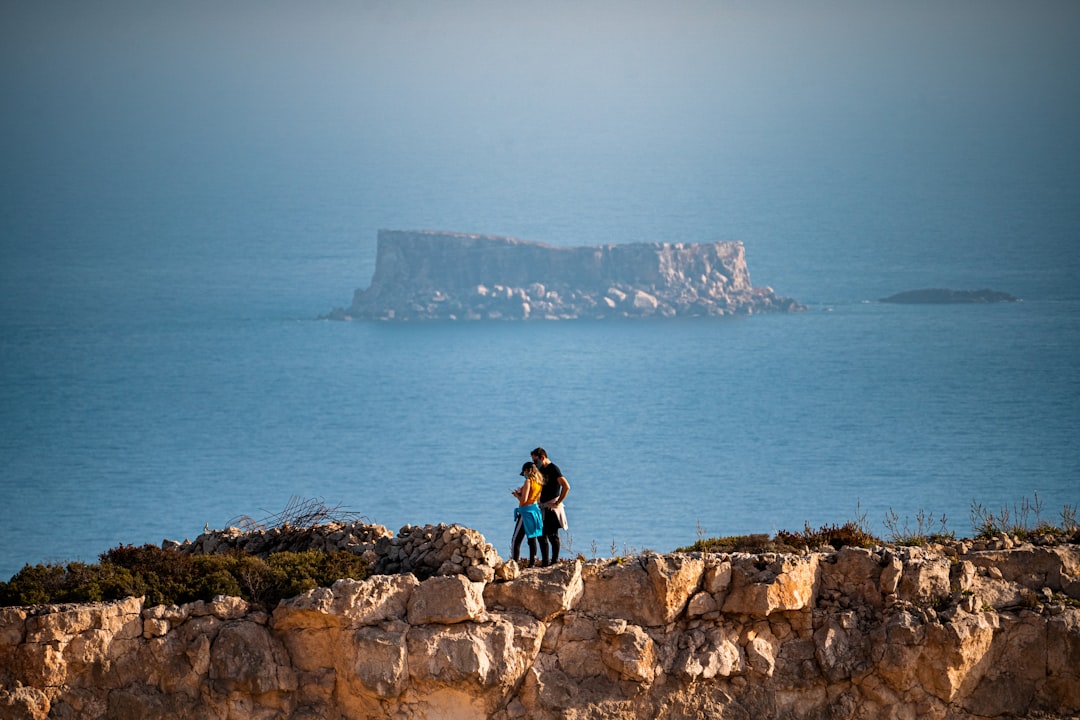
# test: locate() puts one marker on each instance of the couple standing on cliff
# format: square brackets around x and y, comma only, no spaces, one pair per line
[540,515]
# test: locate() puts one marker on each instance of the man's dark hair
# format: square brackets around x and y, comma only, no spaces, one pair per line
[539,452]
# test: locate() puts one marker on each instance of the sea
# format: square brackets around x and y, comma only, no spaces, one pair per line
[164,367]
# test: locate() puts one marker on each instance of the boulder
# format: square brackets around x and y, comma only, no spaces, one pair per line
[759,589]
[348,603]
[650,590]
[445,600]
[544,594]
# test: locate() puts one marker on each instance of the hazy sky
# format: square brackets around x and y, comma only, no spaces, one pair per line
[182,76]
[116,101]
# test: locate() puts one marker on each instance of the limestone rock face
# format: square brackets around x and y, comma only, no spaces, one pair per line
[428,275]
[895,633]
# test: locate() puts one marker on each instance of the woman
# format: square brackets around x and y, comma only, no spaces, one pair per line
[528,518]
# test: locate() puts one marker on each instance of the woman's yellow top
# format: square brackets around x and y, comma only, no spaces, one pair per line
[532,489]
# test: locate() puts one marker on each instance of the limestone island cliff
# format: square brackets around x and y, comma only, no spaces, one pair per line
[445,628]
[429,275]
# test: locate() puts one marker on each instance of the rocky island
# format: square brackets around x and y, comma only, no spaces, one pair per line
[444,628]
[945,296]
[428,275]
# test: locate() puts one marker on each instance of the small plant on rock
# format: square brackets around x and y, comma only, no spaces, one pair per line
[1023,520]
[921,534]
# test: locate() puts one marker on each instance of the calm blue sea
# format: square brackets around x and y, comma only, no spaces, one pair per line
[138,427]
[170,232]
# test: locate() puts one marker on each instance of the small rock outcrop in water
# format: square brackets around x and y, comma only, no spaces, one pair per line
[959,631]
[428,275]
[944,296]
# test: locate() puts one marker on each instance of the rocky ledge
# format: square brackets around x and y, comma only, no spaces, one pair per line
[945,296]
[900,633]
[427,275]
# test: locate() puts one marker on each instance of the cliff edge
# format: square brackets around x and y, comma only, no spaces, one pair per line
[889,633]
[428,275]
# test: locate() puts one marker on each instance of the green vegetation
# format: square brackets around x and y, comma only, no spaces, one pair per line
[756,543]
[854,533]
[901,533]
[1023,520]
[169,577]
[851,533]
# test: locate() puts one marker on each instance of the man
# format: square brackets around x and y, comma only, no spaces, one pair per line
[555,490]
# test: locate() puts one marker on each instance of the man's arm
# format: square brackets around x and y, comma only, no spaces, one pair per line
[564,490]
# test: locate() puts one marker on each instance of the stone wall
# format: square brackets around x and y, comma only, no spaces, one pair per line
[429,275]
[356,537]
[423,550]
[894,633]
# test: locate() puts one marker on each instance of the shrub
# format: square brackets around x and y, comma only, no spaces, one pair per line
[165,577]
[34,585]
[168,577]
[754,543]
[850,533]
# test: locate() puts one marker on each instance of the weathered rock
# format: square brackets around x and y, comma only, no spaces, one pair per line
[1063,660]
[446,600]
[648,591]
[842,648]
[787,583]
[925,579]
[628,651]
[544,594]
[246,660]
[349,602]
[427,275]
[762,648]
[674,579]
[899,633]
[716,653]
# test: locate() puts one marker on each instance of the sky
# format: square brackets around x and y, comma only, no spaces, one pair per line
[112,103]
[168,80]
